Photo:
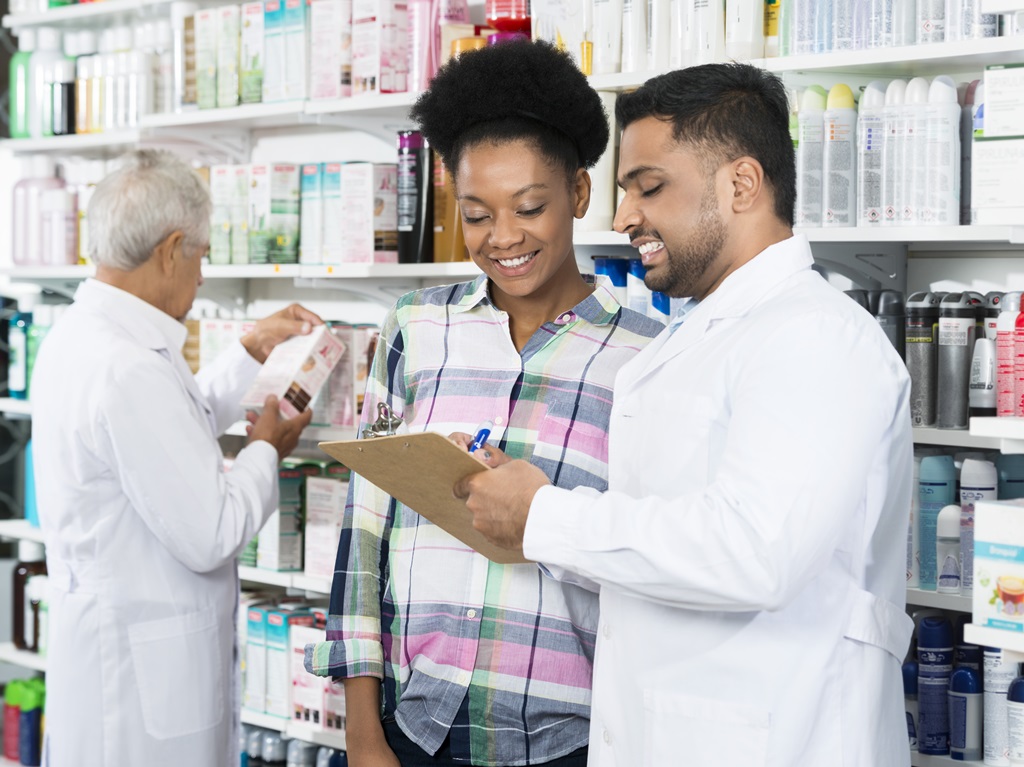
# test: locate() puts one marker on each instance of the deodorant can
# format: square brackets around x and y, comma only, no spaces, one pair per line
[922,356]
[861,297]
[910,700]
[997,675]
[957,331]
[965,716]
[1015,720]
[935,665]
[415,199]
[892,319]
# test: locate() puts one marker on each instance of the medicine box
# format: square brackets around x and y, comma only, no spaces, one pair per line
[279,546]
[206,58]
[307,690]
[330,62]
[332,236]
[240,215]
[228,51]
[222,189]
[1004,100]
[312,215]
[254,693]
[998,596]
[335,406]
[369,193]
[280,621]
[997,166]
[295,371]
[274,75]
[379,46]
[325,513]
[251,55]
[274,213]
[296,46]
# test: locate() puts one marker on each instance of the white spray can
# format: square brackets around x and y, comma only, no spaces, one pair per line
[931,21]
[894,170]
[809,156]
[839,159]
[915,151]
[979,481]
[942,139]
[870,152]
[1006,356]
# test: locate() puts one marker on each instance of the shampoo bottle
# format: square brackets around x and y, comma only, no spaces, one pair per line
[415,199]
[708,32]
[1005,355]
[1010,467]
[20,83]
[744,29]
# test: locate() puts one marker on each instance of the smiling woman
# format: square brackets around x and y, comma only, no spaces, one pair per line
[480,663]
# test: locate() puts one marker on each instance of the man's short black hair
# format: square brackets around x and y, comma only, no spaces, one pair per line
[512,91]
[724,111]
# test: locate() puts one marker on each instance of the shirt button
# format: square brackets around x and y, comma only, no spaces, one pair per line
[607,736]
[565,318]
[498,420]
[471,613]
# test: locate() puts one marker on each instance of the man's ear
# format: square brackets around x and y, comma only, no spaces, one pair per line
[169,251]
[747,180]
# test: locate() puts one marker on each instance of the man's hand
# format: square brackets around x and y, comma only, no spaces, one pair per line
[294,320]
[488,454]
[500,500]
[282,433]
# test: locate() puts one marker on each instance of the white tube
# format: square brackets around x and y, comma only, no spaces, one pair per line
[680,18]
[708,31]
[659,35]
[942,138]
[634,35]
[904,22]
[601,212]
[809,154]
[839,159]
[870,153]
[744,29]
[607,37]
[894,125]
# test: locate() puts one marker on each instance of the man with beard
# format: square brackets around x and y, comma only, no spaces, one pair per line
[750,549]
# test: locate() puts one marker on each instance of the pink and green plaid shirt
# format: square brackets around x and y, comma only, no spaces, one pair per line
[498,657]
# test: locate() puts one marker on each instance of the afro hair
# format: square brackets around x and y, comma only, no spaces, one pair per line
[512,91]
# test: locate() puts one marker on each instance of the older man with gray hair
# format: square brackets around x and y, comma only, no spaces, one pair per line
[142,521]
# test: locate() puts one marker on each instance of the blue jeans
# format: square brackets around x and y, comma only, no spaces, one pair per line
[411,755]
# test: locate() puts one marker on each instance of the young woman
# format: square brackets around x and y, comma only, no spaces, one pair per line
[449,658]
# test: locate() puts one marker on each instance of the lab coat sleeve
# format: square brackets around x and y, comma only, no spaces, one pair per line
[224,382]
[172,471]
[353,644]
[811,410]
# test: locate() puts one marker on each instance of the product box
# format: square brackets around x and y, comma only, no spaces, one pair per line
[330,30]
[280,621]
[295,370]
[228,52]
[240,215]
[334,705]
[332,236]
[997,166]
[279,546]
[369,213]
[379,46]
[325,512]
[215,335]
[254,693]
[274,75]
[251,54]
[998,596]
[222,185]
[335,405]
[189,97]
[1004,100]
[307,690]
[274,213]
[311,219]
[296,49]
[206,58]
[563,23]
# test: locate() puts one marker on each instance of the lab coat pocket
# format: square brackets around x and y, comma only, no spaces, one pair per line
[683,729]
[177,662]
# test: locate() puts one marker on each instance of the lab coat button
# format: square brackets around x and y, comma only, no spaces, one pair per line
[471,613]
[607,737]
[607,631]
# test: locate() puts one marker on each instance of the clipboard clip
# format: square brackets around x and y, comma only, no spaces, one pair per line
[385,425]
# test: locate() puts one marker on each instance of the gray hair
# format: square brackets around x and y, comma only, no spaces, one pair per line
[135,208]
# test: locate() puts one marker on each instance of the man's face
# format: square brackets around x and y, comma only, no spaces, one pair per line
[670,210]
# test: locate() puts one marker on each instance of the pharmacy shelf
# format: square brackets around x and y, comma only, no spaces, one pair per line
[11,654]
[1001,6]
[1007,432]
[1010,642]
[920,237]
[18,408]
[927,760]
[101,14]
[311,583]
[20,529]
[295,730]
[279,114]
[108,142]
[250,271]
[953,438]
[456,269]
[953,602]
[297,581]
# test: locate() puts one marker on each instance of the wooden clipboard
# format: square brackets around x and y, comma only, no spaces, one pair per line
[420,470]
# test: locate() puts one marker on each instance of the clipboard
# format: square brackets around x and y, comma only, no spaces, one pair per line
[419,470]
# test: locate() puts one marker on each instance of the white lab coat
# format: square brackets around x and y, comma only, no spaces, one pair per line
[750,551]
[142,526]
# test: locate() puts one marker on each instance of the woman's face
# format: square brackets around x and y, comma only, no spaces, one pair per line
[517,215]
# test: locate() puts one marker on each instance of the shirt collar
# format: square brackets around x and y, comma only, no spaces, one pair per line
[599,308]
[153,328]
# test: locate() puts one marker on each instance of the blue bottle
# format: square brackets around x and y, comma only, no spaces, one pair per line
[17,365]
[31,510]
[965,718]
[1011,476]
[937,488]
[910,672]
[617,272]
[935,665]
[30,724]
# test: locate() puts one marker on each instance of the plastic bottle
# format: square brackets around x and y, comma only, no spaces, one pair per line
[508,15]
[922,356]
[772,27]
[915,151]
[31,562]
[839,159]
[1005,356]
[62,98]
[275,749]
[634,35]
[17,355]
[744,29]
[97,109]
[180,12]
[163,67]
[254,746]
[20,83]
[965,21]
[937,489]
[870,153]
[979,481]
[301,754]
[1015,721]
[947,550]
[809,156]
[904,22]
[1011,476]
[981,397]
[931,21]
[894,126]
[1018,363]
[139,88]
[997,675]
[659,35]
[30,723]
[966,150]
[942,139]
[935,664]
[708,31]
[58,220]
[910,672]
[26,224]
[45,56]
[957,333]
[681,53]
[12,717]
[965,717]
[40,591]
[415,199]
[891,316]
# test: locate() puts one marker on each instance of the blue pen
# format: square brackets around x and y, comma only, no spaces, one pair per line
[482,434]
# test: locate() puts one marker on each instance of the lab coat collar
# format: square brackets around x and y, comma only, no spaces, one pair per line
[599,308]
[151,327]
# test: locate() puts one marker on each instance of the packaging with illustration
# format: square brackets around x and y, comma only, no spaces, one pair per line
[295,371]
[999,565]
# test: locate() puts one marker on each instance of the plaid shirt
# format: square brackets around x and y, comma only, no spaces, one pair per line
[498,657]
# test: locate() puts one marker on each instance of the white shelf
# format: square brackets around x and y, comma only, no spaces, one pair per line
[295,730]
[953,602]
[953,438]
[20,529]
[918,237]
[85,15]
[270,115]
[310,583]
[295,580]
[11,654]
[311,433]
[454,269]
[1011,643]
[1007,432]
[927,760]
[250,271]
[107,142]
[266,721]
[16,407]
[457,269]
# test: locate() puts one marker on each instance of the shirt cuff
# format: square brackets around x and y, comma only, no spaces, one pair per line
[550,526]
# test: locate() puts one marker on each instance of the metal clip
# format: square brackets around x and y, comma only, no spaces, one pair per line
[385,424]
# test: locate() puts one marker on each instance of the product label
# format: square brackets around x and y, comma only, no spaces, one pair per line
[954,331]
[16,378]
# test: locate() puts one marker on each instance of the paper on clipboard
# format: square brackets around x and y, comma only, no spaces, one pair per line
[419,470]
